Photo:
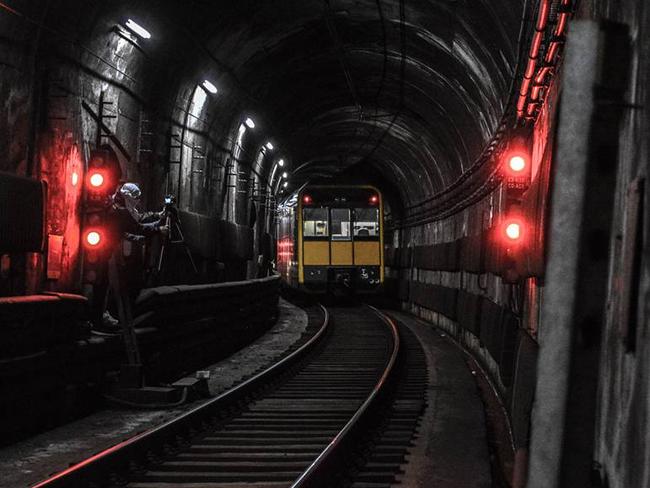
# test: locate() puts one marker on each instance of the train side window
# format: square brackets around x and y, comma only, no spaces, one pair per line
[340,224]
[315,222]
[366,222]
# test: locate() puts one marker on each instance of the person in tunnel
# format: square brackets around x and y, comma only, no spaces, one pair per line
[131,227]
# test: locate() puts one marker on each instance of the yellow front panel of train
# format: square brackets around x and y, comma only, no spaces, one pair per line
[316,253]
[342,254]
[366,253]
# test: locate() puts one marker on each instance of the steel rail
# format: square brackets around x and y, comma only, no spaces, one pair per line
[320,472]
[119,456]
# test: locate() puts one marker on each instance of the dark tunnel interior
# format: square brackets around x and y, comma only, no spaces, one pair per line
[491,156]
[411,92]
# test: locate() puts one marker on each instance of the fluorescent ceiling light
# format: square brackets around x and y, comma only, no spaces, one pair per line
[138,29]
[249,122]
[269,146]
[210,87]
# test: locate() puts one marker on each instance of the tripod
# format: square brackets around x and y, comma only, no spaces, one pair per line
[175,236]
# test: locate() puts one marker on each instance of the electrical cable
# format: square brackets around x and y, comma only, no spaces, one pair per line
[380,88]
[485,156]
[402,23]
[382,21]
[341,55]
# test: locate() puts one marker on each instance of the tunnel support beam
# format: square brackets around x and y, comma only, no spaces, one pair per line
[563,270]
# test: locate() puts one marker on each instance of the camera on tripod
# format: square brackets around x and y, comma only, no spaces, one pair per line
[169,205]
[170,211]
[175,237]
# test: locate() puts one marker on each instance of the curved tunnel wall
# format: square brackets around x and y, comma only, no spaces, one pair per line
[299,69]
[406,93]
[450,272]
[441,77]
[379,88]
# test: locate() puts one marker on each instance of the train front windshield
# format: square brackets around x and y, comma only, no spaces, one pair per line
[315,222]
[366,222]
[341,224]
[340,218]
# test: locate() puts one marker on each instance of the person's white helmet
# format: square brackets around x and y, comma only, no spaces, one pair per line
[128,196]
[130,191]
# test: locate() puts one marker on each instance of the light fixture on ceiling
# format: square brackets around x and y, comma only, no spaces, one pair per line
[285,175]
[249,123]
[209,86]
[269,146]
[137,29]
[281,163]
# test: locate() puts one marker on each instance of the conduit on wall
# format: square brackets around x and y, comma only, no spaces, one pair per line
[536,77]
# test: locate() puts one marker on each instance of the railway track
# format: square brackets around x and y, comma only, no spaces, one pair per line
[300,423]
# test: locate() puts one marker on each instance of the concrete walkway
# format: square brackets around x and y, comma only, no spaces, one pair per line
[32,460]
[451,450]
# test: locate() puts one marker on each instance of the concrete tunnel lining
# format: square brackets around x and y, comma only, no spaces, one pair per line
[301,68]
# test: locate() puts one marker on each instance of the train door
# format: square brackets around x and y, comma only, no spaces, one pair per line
[366,233]
[342,251]
[316,251]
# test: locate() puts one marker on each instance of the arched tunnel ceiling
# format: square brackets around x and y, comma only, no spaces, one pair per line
[413,88]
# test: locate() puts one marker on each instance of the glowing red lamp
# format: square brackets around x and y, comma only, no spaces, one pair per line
[96,180]
[374,199]
[513,231]
[306,199]
[517,163]
[93,238]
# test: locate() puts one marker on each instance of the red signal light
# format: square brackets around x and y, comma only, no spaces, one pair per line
[513,231]
[517,171]
[374,199]
[306,199]
[517,163]
[93,238]
[96,180]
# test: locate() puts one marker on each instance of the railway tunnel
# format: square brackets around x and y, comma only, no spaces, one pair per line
[505,145]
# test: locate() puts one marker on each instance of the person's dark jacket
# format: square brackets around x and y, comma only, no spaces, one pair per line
[133,226]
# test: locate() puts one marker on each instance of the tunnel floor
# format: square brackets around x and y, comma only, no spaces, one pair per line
[450,450]
[35,459]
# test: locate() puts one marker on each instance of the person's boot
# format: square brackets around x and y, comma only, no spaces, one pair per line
[109,324]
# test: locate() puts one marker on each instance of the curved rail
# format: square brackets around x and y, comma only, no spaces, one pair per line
[121,454]
[318,473]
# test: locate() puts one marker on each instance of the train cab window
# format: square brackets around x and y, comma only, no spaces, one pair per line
[366,222]
[315,222]
[340,224]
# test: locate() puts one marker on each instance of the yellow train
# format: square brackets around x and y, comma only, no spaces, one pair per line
[331,237]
